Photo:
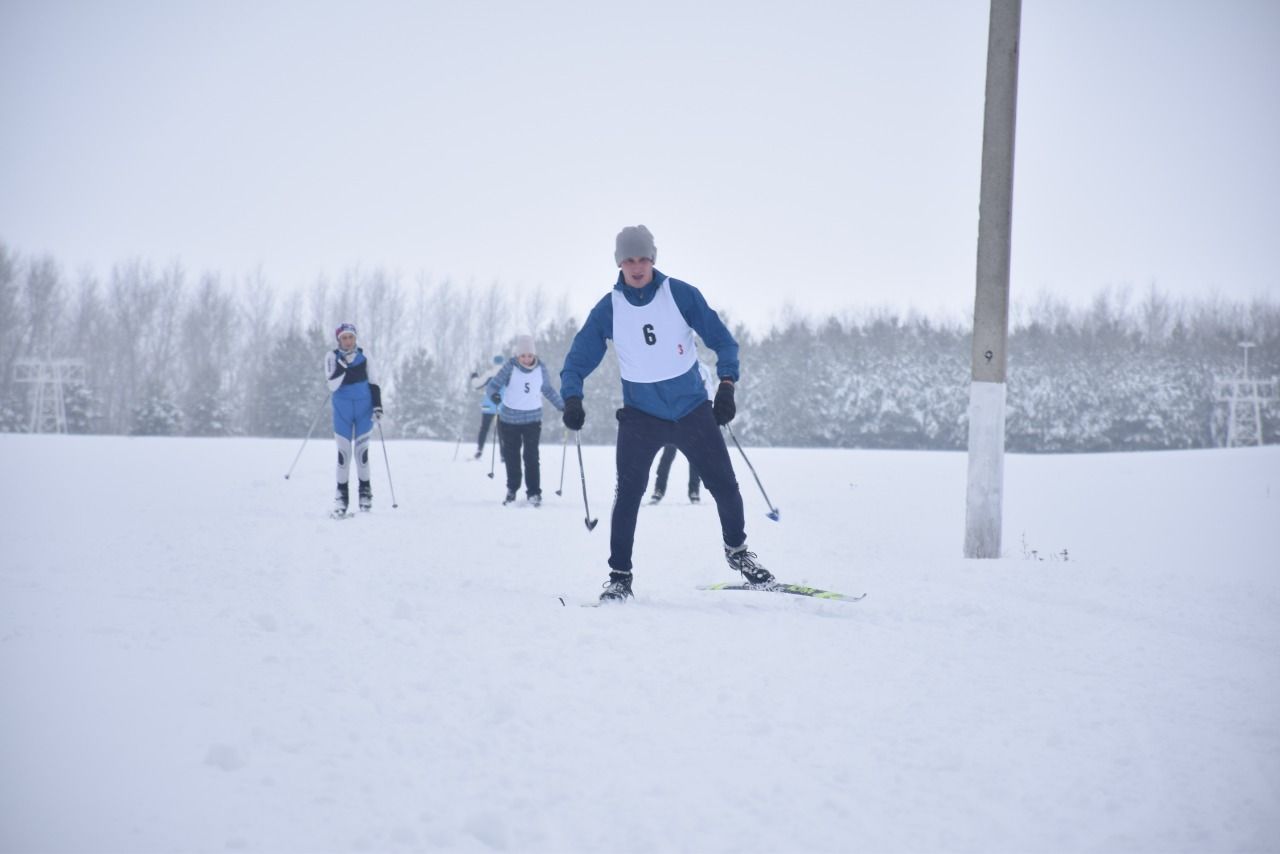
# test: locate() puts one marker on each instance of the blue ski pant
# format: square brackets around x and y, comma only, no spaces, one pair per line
[352,428]
[352,410]
[640,436]
[486,420]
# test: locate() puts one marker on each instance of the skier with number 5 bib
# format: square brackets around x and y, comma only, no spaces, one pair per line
[517,389]
[651,319]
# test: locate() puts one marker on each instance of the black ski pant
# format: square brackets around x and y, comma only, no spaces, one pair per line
[640,435]
[512,437]
[664,469]
[486,418]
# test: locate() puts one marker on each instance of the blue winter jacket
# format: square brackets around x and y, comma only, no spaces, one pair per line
[669,399]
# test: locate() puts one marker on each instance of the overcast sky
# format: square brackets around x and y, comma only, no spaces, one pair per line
[822,154]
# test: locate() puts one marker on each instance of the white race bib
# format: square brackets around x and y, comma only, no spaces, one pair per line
[524,391]
[654,342]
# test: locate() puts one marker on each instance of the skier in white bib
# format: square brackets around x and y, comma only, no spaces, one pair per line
[517,389]
[651,319]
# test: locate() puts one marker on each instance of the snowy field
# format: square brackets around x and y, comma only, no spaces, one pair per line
[194,658]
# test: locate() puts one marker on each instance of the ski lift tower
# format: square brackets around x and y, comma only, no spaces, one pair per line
[48,399]
[1244,398]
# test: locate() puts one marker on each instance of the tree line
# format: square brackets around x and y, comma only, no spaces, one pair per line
[166,353]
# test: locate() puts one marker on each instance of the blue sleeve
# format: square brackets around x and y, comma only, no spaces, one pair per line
[500,379]
[708,325]
[588,348]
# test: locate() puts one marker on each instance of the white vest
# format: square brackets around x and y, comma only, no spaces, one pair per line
[654,342]
[524,391]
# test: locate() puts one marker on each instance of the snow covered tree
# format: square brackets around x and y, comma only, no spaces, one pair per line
[156,413]
[207,329]
[288,391]
[426,405]
[11,401]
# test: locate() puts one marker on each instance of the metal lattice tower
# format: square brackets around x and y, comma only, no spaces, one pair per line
[1244,398]
[48,399]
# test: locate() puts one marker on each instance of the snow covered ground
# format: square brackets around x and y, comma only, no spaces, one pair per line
[194,658]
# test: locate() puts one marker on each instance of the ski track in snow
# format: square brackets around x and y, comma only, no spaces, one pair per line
[196,658]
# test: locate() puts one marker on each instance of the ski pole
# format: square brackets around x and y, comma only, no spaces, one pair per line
[564,447]
[773,511]
[591,523]
[387,460]
[463,425]
[309,431]
[493,455]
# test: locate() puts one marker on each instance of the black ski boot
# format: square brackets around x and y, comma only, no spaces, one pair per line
[511,496]
[536,499]
[617,588]
[694,497]
[340,501]
[745,562]
[366,496]
[656,497]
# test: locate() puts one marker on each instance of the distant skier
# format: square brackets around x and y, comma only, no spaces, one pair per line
[651,319]
[664,471]
[519,388]
[357,403]
[669,455]
[488,409]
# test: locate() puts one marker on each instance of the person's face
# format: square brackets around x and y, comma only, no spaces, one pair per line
[637,272]
[527,359]
[347,341]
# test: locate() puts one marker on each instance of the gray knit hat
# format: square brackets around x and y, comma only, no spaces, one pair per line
[524,344]
[634,241]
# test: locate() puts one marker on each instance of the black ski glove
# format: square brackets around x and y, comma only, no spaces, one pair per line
[723,407]
[495,397]
[574,416]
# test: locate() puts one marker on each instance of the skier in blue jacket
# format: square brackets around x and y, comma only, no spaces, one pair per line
[488,408]
[651,319]
[357,403]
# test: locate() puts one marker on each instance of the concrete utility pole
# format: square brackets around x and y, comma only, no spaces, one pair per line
[985,498]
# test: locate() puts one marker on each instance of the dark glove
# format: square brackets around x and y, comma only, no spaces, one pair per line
[495,397]
[723,407]
[377,413]
[574,416]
